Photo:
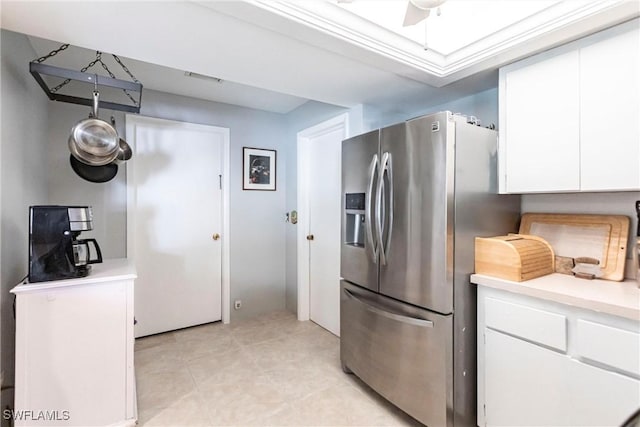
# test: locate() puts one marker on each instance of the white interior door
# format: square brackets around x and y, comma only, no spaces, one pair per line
[177,218]
[323,176]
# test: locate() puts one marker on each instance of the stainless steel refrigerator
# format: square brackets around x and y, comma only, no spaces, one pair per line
[414,197]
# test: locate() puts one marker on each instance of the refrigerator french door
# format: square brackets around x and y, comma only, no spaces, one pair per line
[415,195]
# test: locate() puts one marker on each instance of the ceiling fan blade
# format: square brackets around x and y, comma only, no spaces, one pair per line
[414,14]
[426,4]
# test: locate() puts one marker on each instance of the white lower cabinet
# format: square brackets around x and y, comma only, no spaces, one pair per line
[523,385]
[524,381]
[74,350]
[600,397]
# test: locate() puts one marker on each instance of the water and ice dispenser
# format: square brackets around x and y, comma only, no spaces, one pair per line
[355,219]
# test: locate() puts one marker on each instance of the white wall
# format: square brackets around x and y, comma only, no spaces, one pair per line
[108,200]
[257,224]
[622,203]
[362,118]
[23,177]
[483,105]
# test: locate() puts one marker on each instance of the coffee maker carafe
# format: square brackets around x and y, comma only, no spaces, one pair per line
[55,252]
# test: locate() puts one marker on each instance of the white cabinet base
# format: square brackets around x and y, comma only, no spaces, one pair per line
[74,349]
[526,379]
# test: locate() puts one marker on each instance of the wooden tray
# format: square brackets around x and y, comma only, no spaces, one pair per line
[603,237]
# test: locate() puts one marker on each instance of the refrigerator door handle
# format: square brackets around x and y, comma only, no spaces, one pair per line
[385,169]
[372,246]
[389,315]
[389,171]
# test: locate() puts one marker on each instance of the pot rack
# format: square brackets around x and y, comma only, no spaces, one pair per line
[38,69]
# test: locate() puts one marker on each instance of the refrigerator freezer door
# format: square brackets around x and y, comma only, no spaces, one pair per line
[418,267]
[402,352]
[360,172]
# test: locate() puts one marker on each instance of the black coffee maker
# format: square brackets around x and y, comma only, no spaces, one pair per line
[55,252]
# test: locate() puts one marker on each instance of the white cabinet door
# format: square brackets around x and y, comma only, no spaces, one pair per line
[610,108]
[600,397]
[71,354]
[528,385]
[569,116]
[540,124]
[525,385]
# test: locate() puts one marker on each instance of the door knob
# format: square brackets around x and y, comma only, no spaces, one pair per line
[216,236]
[310,237]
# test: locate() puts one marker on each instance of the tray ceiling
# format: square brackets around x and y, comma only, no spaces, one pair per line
[455,25]
[469,36]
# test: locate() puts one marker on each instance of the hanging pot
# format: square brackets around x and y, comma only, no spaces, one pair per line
[124,149]
[94,141]
[97,174]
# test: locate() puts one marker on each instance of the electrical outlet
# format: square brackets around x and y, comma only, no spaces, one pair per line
[237,304]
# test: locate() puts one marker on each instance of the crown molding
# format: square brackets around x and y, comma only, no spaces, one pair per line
[563,21]
[560,23]
[331,19]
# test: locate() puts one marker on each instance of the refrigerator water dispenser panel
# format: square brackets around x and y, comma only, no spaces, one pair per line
[355,230]
[355,220]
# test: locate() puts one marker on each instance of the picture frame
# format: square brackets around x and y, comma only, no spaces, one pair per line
[258,169]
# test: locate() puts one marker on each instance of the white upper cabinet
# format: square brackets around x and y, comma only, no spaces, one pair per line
[542,127]
[569,117]
[610,113]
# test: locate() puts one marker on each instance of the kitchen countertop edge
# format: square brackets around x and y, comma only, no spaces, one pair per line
[107,271]
[616,298]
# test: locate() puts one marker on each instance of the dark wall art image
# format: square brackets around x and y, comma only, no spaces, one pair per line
[259,169]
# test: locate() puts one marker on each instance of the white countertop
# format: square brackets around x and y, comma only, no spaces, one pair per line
[616,298]
[107,271]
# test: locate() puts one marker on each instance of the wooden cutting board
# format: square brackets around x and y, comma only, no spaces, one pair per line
[603,237]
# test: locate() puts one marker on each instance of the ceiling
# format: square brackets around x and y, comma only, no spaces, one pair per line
[452,26]
[275,55]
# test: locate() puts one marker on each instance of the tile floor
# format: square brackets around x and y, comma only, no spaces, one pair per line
[271,371]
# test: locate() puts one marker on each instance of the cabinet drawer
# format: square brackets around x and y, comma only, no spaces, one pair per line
[608,345]
[543,327]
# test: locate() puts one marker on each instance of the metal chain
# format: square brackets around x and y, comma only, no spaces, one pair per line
[50,54]
[126,70]
[91,64]
[113,77]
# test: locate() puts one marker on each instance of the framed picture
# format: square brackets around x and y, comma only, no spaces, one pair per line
[258,169]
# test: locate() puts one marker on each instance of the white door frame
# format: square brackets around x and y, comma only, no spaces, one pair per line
[304,140]
[131,122]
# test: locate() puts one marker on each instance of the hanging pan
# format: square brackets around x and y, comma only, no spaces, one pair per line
[124,149]
[94,141]
[98,174]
